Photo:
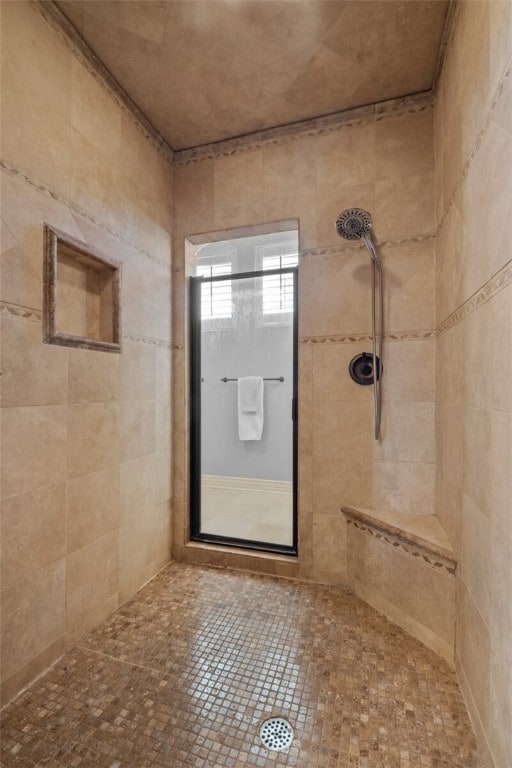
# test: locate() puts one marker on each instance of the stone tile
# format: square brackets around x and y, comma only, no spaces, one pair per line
[33,373]
[407,432]
[33,615]
[91,582]
[93,376]
[92,506]
[137,429]
[138,371]
[404,486]
[93,437]
[409,371]
[33,447]
[214,661]
[33,532]
[138,480]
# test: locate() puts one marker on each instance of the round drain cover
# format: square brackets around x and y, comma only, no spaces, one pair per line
[276,734]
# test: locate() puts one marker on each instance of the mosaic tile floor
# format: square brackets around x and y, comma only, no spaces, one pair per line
[185,673]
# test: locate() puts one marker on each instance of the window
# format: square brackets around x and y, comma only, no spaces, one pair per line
[215,296]
[278,289]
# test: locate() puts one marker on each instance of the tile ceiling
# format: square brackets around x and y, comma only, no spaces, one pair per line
[206,70]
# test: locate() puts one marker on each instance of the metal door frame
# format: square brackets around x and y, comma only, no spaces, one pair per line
[195,414]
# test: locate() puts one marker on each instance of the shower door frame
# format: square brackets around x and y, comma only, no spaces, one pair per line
[195,414]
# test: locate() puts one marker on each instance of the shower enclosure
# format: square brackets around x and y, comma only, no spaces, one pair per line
[243,492]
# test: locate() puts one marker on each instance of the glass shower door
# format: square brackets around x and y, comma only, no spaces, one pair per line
[243,409]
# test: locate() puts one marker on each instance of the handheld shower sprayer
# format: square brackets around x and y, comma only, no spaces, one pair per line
[356,224]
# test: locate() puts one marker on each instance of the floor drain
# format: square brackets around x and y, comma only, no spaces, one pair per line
[276,734]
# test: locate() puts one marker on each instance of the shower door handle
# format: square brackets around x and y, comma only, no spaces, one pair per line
[294,408]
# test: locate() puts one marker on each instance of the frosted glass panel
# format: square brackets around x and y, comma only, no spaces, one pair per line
[247,485]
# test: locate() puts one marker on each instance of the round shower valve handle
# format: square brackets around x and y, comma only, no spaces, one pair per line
[361,368]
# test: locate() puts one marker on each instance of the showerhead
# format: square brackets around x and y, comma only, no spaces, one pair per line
[353,224]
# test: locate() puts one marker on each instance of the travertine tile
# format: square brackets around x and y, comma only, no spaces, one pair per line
[194,639]
[238,179]
[138,479]
[33,615]
[486,195]
[423,593]
[329,549]
[33,447]
[91,581]
[33,373]
[163,379]
[92,506]
[473,650]
[93,376]
[405,209]
[409,286]
[194,198]
[138,371]
[39,663]
[93,437]
[33,532]
[334,484]
[409,371]
[289,166]
[501,711]
[137,429]
[345,158]
[163,491]
[402,143]
[36,86]
[407,432]
[404,486]
[477,566]
[330,374]
[341,429]
[7,239]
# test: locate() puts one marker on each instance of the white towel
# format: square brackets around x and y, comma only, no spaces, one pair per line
[250,408]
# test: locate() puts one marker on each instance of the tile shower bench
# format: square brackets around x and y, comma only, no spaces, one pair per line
[403,565]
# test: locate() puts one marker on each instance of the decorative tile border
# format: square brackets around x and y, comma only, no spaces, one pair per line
[361,337]
[271,136]
[67,32]
[20,312]
[318,126]
[33,315]
[334,250]
[500,280]
[45,189]
[449,26]
[415,550]
[148,340]
[474,149]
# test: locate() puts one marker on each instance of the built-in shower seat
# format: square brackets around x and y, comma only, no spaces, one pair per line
[403,565]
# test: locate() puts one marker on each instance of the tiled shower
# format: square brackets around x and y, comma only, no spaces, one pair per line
[96,448]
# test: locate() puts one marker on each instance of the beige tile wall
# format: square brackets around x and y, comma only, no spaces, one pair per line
[387,166]
[473,129]
[86,464]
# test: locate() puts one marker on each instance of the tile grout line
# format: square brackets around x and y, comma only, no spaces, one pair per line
[44,189]
[12,310]
[476,144]
[304,129]
[492,287]
[126,662]
[83,52]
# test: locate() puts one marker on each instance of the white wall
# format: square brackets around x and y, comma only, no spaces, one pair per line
[251,347]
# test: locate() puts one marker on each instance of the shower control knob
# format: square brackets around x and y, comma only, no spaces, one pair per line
[361,368]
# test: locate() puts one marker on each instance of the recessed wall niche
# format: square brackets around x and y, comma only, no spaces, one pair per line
[81,294]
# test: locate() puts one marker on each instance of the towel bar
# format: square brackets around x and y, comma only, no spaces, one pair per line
[278,378]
